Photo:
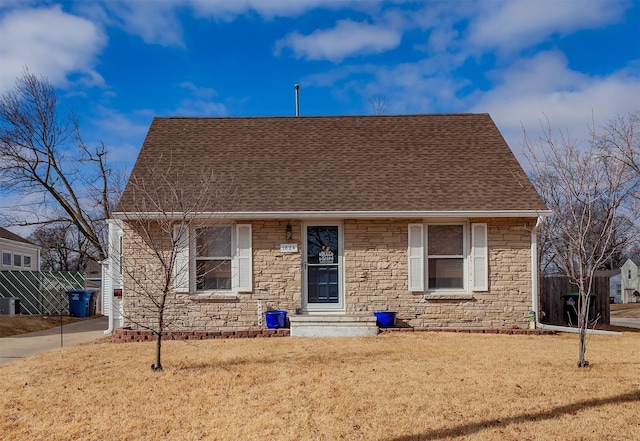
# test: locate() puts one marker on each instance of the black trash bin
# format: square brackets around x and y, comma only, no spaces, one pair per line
[79,303]
[572,304]
[92,303]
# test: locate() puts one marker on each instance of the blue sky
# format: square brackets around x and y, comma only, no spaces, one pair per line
[121,63]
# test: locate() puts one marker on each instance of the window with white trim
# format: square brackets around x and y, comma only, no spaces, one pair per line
[213,258]
[17,260]
[448,257]
[26,261]
[6,258]
[445,257]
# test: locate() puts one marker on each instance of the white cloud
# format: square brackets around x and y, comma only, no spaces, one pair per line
[346,39]
[192,107]
[109,120]
[229,9]
[122,133]
[513,25]
[533,90]
[202,92]
[50,43]
[155,22]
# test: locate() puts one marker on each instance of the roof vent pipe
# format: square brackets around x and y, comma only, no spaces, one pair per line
[297,86]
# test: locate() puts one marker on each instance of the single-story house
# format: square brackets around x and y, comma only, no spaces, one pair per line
[332,218]
[18,253]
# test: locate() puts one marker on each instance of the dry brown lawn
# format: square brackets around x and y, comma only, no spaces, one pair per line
[413,386]
[630,310]
[20,324]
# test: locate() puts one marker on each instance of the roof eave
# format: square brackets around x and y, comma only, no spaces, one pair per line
[339,214]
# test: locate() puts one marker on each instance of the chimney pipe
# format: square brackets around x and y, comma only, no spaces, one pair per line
[297,86]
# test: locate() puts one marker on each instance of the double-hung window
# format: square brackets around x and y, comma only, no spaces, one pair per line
[17,260]
[213,258]
[445,257]
[6,258]
[448,257]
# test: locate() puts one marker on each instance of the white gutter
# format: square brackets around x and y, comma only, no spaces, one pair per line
[340,214]
[106,268]
[109,330]
[536,291]
[108,278]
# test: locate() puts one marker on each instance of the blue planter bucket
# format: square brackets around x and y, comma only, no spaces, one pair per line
[385,319]
[275,319]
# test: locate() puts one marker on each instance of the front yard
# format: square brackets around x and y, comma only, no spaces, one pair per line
[21,324]
[393,387]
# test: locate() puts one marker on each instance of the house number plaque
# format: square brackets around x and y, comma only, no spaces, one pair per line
[288,247]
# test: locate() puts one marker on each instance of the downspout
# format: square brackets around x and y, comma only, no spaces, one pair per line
[106,268]
[535,288]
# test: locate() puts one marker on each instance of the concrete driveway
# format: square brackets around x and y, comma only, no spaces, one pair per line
[19,346]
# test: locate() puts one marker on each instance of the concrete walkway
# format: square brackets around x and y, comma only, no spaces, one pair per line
[624,321]
[23,345]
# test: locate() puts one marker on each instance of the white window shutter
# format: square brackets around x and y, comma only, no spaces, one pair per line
[479,257]
[181,264]
[416,257]
[244,255]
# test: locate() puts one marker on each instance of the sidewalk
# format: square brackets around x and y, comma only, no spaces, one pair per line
[23,345]
[624,321]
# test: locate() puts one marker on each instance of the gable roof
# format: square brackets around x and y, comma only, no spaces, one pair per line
[6,234]
[341,164]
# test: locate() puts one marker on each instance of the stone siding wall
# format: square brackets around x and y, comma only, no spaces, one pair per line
[276,285]
[375,279]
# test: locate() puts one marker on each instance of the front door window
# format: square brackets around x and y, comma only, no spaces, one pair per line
[323,266]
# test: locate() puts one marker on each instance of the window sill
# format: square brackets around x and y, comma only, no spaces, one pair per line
[213,298]
[434,296]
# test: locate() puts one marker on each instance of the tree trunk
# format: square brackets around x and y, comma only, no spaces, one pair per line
[583,323]
[158,365]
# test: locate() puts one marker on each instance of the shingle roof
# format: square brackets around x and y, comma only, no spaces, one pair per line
[6,234]
[341,163]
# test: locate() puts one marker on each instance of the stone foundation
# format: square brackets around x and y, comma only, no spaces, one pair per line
[133,336]
[122,335]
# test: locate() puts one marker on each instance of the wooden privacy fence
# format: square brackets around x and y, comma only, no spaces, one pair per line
[41,292]
[552,302]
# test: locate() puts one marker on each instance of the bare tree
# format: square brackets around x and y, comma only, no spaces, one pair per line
[42,154]
[63,248]
[165,217]
[377,104]
[620,140]
[591,197]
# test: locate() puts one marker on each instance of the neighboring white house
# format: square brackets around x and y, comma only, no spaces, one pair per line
[18,254]
[630,283]
[615,289]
